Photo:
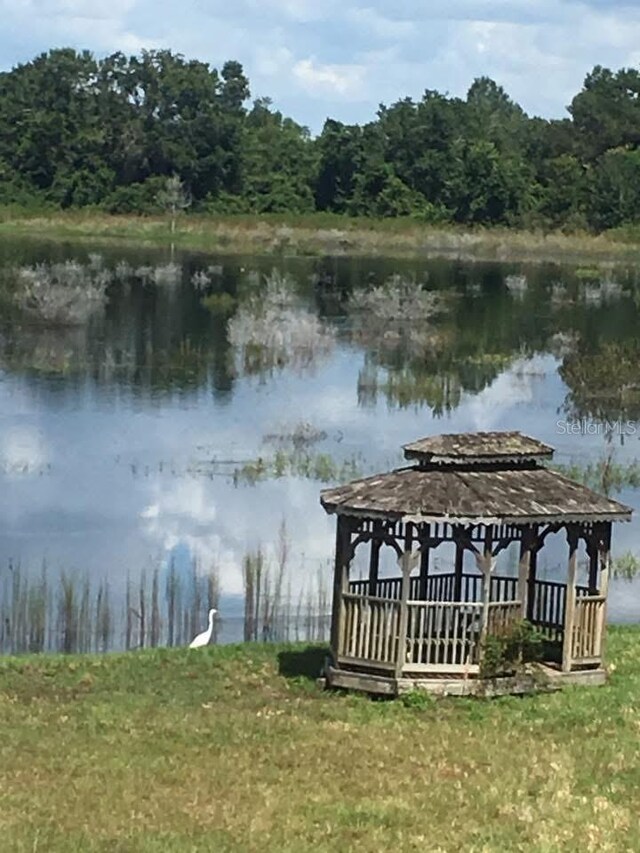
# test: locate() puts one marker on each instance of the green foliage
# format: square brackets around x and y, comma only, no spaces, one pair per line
[219,303]
[626,566]
[417,700]
[606,475]
[604,382]
[80,131]
[508,651]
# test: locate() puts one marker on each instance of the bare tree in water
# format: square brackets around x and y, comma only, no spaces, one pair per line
[174,198]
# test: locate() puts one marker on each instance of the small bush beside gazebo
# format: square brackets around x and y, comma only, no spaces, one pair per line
[458,631]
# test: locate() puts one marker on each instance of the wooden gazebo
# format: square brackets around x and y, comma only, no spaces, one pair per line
[430,629]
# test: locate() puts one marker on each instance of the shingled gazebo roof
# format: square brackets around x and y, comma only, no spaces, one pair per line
[478,447]
[474,478]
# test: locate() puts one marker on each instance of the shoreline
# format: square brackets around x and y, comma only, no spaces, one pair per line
[323,235]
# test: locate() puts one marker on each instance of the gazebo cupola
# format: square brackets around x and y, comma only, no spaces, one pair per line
[482,492]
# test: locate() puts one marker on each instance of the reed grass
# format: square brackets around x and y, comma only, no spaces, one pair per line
[321,467]
[70,613]
[606,474]
[325,234]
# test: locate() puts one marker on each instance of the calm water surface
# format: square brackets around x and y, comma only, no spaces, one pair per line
[184,426]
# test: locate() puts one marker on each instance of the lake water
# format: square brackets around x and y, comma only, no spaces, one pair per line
[196,419]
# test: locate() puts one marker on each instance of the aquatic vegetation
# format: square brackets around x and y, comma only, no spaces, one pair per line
[440,391]
[201,280]
[517,285]
[65,293]
[397,316]
[605,475]
[602,291]
[71,613]
[626,566]
[301,435]
[321,467]
[559,294]
[561,344]
[438,386]
[604,383]
[270,331]
[123,271]
[588,273]
[166,275]
[398,299]
[219,303]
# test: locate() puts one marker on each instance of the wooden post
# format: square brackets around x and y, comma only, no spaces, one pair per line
[570,607]
[524,568]
[374,563]
[592,550]
[605,563]
[340,579]
[531,586]
[408,561]
[424,566]
[485,564]
[457,579]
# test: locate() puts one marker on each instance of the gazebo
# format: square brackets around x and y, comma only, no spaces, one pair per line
[431,629]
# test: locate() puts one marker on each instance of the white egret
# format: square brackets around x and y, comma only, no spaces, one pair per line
[203,639]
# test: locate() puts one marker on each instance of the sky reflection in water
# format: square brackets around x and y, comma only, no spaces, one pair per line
[107,436]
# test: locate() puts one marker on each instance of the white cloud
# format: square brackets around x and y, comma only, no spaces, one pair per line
[345,81]
[344,58]
[379,25]
[493,406]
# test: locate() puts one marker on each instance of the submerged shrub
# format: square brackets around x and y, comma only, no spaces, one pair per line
[167,274]
[270,331]
[397,299]
[396,316]
[67,293]
[517,285]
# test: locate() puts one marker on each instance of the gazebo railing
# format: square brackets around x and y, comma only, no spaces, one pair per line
[588,629]
[549,605]
[370,630]
[549,600]
[440,587]
[442,635]
[439,636]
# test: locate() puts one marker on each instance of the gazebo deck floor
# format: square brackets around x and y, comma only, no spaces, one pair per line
[537,678]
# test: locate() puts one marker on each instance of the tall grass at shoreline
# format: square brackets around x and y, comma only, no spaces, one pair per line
[321,233]
[70,613]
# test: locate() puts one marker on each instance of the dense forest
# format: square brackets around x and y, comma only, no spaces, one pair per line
[78,131]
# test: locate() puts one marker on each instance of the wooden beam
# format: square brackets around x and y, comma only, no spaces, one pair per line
[457,580]
[524,567]
[340,584]
[567,646]
[485,564]
[593,541]
[408,561]
[533,571]
[424,566]
[605,564]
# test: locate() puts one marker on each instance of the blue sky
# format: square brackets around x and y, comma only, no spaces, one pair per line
[343,57]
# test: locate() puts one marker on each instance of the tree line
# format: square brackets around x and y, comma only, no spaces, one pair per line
[77,131]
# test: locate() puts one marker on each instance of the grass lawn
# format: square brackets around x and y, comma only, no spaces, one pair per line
[235,748]
[324,234]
